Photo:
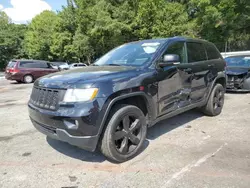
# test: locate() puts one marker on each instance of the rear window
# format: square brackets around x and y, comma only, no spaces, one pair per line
[212,52]
[11,64]
[196,52]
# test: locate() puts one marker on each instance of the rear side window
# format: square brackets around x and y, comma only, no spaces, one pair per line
[26,64]
[196,52]
[212,52]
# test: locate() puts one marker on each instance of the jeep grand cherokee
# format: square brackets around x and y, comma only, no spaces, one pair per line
[112,103]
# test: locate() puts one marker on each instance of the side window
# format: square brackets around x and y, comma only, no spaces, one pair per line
[196,52]
[42,65]
[177,48]
[26,64]
[212,52]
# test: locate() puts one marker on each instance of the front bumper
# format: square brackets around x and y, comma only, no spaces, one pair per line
[85,142]
[236,84]
[85,134]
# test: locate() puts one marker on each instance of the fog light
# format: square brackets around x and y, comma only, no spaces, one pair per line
[71,124]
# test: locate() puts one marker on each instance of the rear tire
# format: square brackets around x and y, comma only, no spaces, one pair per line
[215,102]
[28,79]
[125,133]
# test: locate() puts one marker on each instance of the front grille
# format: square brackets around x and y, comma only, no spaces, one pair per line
[46,98]
[234,81]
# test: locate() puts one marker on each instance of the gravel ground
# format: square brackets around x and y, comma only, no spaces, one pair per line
[187,151]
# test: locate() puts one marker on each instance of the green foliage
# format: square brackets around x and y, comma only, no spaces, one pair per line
[38,38]
[86,29]
[11,40]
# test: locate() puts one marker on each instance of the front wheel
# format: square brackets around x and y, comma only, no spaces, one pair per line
[125,133]
[215,102]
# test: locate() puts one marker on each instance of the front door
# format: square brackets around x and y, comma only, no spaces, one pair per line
[174,82]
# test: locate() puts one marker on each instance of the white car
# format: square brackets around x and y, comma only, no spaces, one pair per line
[77,65]
[60,65]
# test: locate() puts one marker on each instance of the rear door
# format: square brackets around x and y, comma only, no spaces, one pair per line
[27,67]
[197,58]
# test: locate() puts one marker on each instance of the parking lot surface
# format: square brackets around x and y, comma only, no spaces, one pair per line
[187,151]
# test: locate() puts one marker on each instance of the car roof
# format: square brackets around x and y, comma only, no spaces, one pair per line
[177,38]
[29,60]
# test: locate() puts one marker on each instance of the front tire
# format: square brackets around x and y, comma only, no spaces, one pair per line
[215,102]
[125,133]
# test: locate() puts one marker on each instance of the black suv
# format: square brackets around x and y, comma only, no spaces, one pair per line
[112,103]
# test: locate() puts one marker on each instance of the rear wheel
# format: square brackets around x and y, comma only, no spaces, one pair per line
[215,102]
[28,79]
[125,133]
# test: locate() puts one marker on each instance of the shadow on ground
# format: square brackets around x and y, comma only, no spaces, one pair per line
[154,132]
[170,124]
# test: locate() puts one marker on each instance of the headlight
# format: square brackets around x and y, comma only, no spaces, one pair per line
[80,95]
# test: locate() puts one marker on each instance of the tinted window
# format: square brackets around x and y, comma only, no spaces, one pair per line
[31,64]
[212,52]
[196,52]
[26,64]
[42,65]
[177,48]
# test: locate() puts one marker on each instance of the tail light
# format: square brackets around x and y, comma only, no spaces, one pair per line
[14,70]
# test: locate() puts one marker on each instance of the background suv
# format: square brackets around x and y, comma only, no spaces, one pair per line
[27,70]
[131,88]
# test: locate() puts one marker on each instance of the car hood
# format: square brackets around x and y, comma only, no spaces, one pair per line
[83,77]
[237,70]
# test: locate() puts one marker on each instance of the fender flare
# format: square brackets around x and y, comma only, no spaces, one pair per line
[116,99]
[220,75]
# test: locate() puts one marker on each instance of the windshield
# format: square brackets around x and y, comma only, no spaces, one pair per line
[133,54]
[241,61]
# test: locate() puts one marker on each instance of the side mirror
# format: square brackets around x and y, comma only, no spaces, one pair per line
[170,59]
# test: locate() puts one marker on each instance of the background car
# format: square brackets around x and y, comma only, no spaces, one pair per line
[238,72]
[60,65]
[27,70]
[77,65]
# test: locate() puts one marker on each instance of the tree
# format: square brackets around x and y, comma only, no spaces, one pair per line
[38,39]
[11,40]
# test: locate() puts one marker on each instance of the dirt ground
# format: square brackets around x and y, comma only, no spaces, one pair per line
[187,151]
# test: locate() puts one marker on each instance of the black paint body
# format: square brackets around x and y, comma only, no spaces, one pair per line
[166,92]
